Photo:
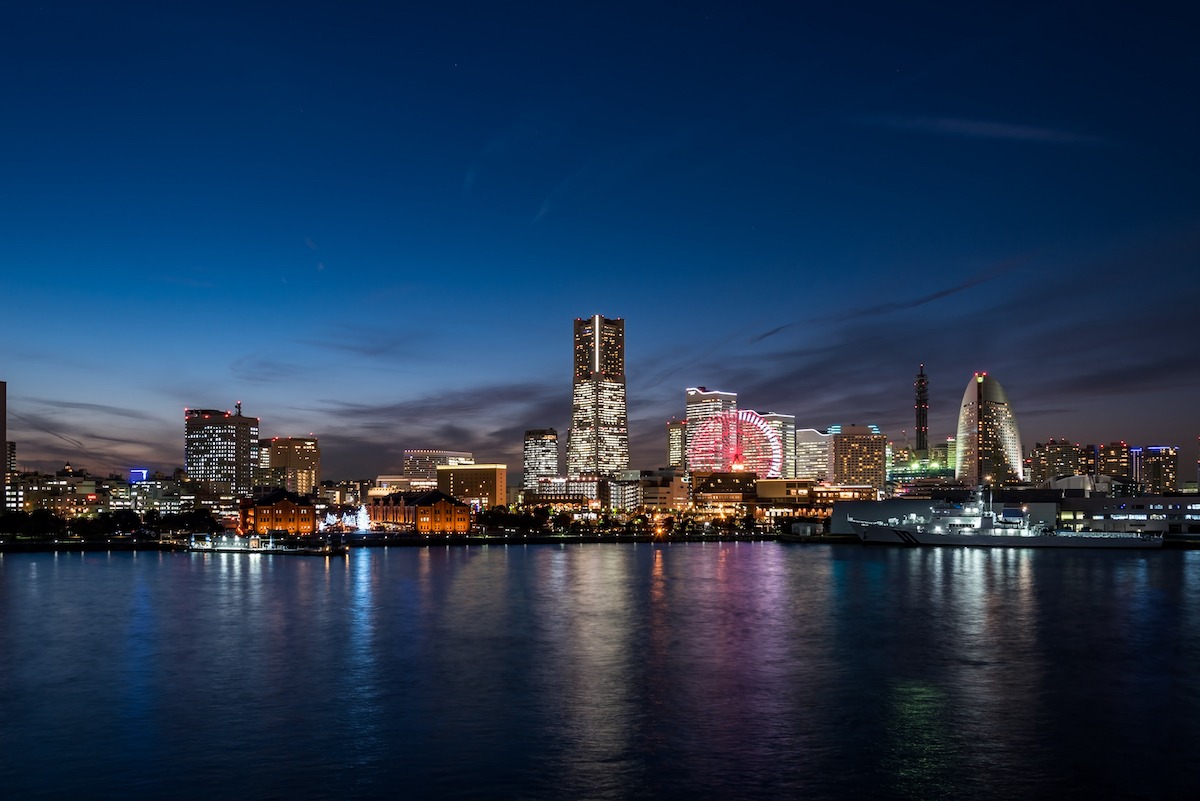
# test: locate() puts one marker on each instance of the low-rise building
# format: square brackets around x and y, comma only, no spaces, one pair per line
[279,511]
[428,512]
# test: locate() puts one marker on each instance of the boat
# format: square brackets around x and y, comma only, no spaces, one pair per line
[275,543]
[975,522]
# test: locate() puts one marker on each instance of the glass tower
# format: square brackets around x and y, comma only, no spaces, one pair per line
[989,444]
[598,443]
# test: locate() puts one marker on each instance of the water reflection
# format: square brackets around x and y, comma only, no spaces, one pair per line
[597,671]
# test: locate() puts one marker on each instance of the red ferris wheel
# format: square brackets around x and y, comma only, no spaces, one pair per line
[735,441]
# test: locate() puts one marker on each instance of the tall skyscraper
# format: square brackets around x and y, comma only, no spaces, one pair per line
[598,443]
[221,449]
[541,456]
[989,443]
[676,443]
[290,463]
[921,385]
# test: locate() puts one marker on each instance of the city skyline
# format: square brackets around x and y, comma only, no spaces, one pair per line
[374,225]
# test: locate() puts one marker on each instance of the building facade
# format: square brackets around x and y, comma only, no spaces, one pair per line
[280,512]
[480,486]
[422,463]
[221,450]
[540,456]
[677,443]
[428,512]
[290,463]
[859,456]
[989,443]
[812,454]
[598,443]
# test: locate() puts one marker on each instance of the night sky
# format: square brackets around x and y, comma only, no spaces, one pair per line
[377,225]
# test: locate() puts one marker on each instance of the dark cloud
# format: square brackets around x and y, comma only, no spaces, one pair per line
[99,408]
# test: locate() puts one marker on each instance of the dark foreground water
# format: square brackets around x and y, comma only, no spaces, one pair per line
[602,671]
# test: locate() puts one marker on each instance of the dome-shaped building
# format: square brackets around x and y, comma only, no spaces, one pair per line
[989,444]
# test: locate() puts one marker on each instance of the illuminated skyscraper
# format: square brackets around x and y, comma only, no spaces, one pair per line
[812,454]
[541,456]
[676,443]
[1114,460]
[290,463]
[1156,468]
[989,444]
[598,443]
[859,456]
[221,449]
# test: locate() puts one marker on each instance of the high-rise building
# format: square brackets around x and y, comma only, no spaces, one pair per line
[989,443]
[785,426]
[1114,460]
[1055,458]
[676,443]
[812,454]
[598,443]
[921,386]
[290,463]
[221,450]
[859,456]
[541,456]
[1157,469]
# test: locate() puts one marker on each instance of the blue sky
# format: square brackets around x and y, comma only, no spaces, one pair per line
[376,225]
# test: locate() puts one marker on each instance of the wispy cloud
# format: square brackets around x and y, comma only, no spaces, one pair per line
[981,129]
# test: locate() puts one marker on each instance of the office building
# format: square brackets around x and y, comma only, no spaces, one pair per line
[421,465]
[290,463]
[540,456]
[598,442]
[480,486]
[221,450]
[989,443]
[859,456]
[676,443]
[812,454]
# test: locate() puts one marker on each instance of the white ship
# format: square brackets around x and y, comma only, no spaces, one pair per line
[975,523]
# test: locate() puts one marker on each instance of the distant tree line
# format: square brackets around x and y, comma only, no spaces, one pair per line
[44,524]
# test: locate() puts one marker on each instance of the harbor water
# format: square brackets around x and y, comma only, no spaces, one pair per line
[602,671]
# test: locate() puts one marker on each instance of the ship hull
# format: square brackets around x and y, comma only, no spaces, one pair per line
[883,534]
